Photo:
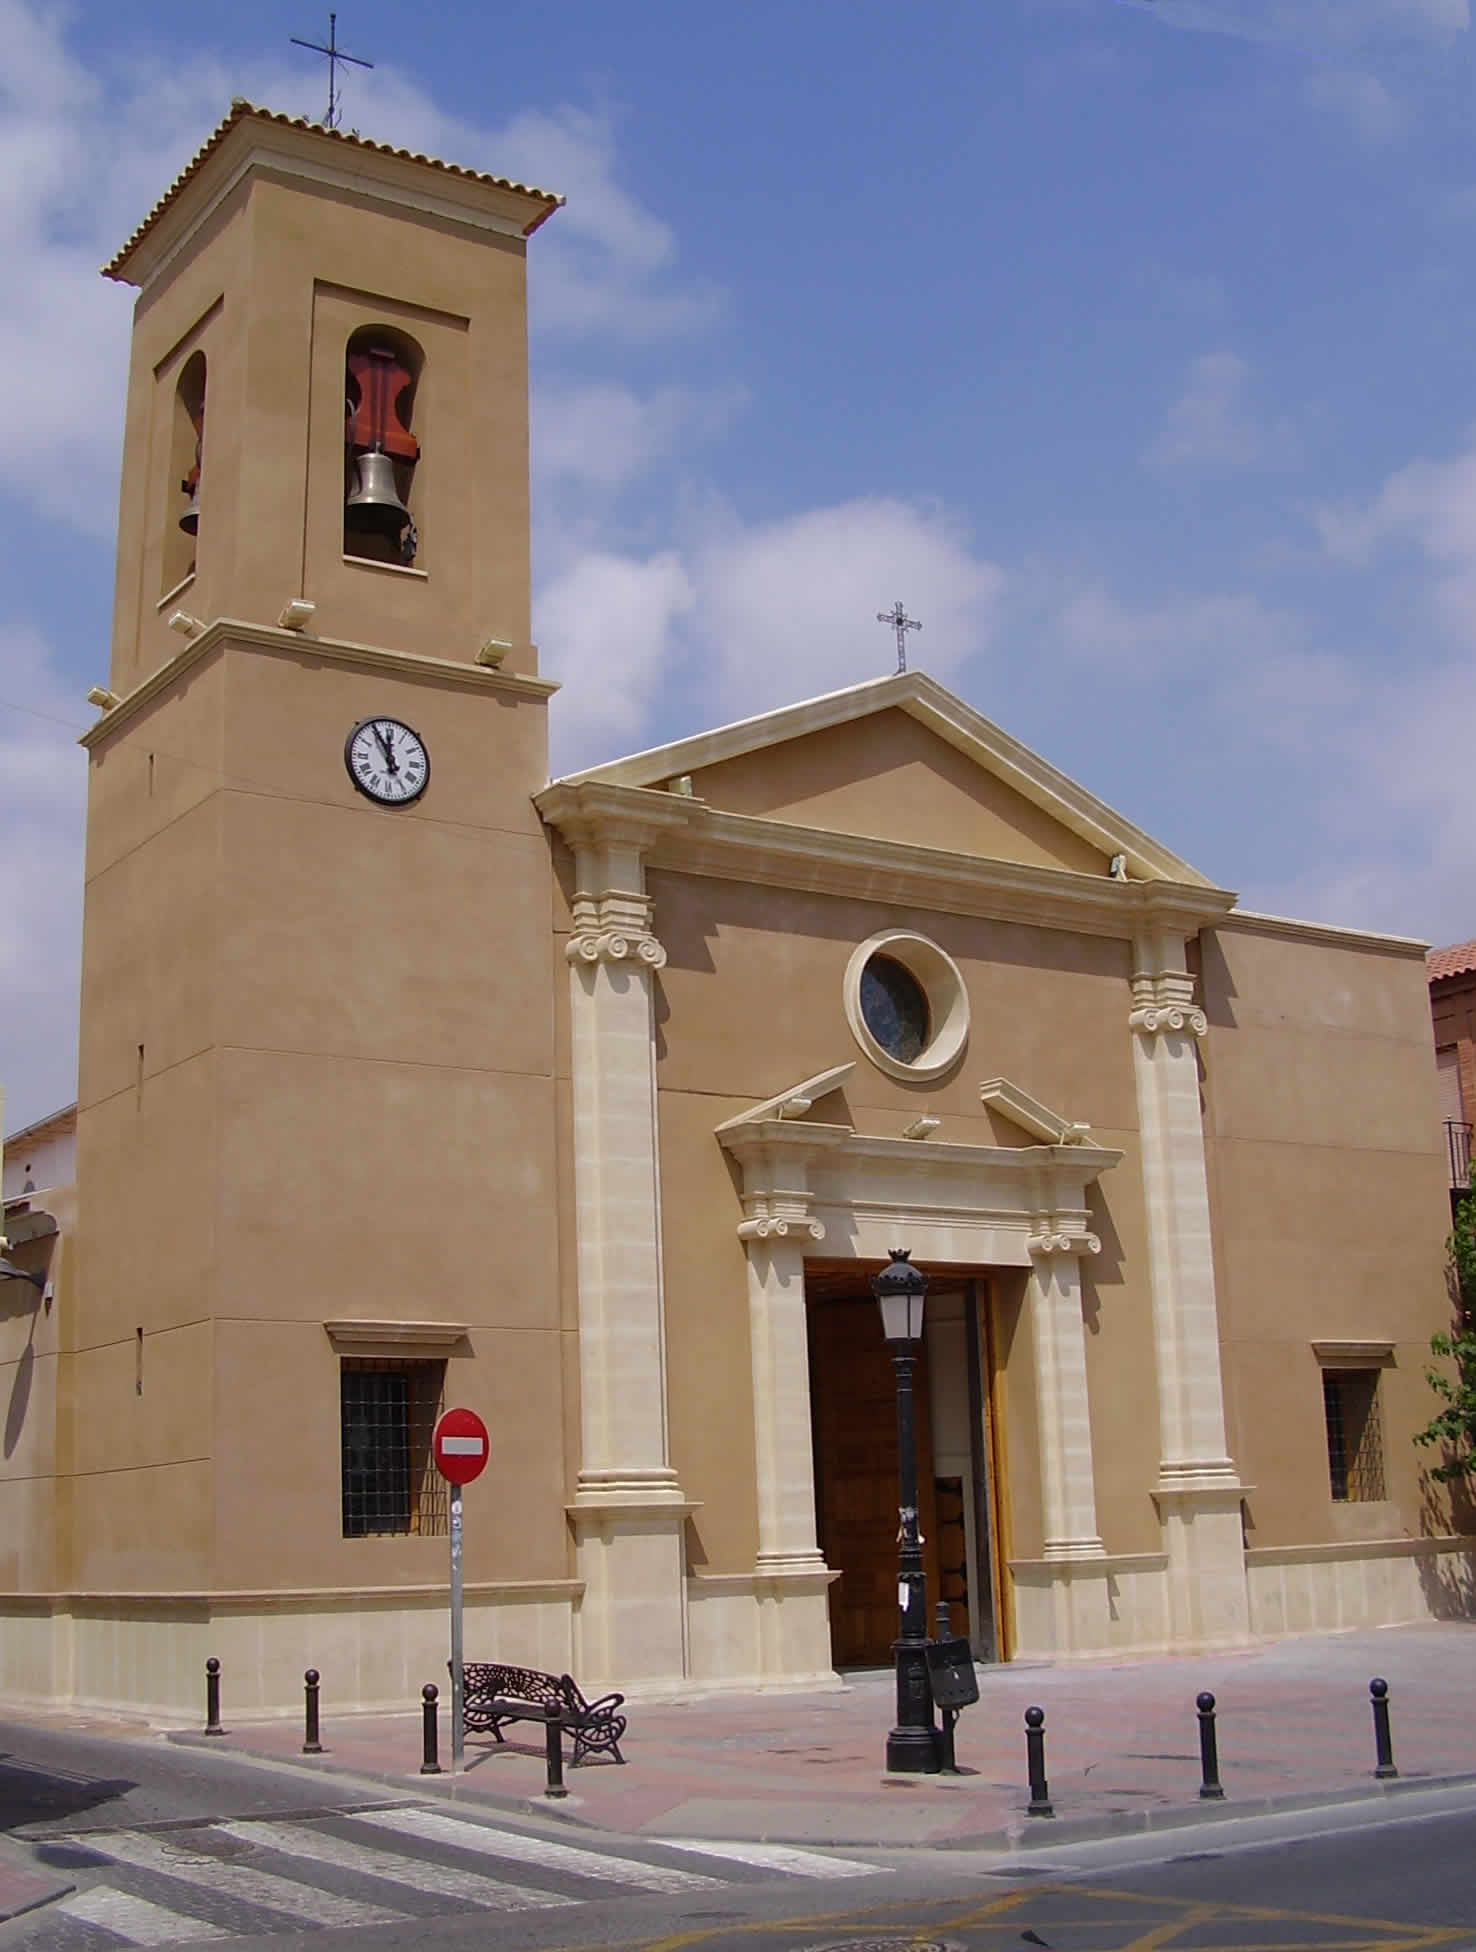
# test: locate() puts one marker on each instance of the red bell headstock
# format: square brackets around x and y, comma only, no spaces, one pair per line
[378,383]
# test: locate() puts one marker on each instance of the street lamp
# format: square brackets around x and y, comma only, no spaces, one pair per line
[912,1746]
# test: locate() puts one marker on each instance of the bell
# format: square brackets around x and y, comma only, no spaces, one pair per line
[375,508]
[190,520]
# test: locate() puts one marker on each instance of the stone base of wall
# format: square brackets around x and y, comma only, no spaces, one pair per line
[145,1654]
[1117,1607]
[759,1630]
[1368,1583]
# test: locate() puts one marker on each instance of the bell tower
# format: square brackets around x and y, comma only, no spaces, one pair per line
[316,1096]
[328,398]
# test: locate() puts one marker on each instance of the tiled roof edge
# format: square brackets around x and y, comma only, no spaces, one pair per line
[241,110]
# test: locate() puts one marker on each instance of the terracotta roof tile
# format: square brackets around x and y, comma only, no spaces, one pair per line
[1458,960]
[241,110]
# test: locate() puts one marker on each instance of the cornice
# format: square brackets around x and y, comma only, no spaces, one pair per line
[1248,922]
[698,839]
[589,814]
[230,632]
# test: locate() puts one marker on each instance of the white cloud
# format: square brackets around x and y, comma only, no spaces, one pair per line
[768,614]
[1360,100]
[1315,25]
[1210,424]
[43,784]
[609,622]
[788,608]
[603,435]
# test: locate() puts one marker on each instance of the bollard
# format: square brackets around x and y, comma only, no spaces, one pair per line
[310,1743]
[553,1744]
[212,1697]
[1383,1742]
[1209,1750]
[431,1766]
[1040,1791]
[940,1613]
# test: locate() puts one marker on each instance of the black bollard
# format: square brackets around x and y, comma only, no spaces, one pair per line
[553,1744]
[1209,1749]
[1383,1741]
[212,1697]
[431,1766]
[1040,1790]
[310,1743]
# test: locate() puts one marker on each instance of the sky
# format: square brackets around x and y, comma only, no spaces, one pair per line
[1128,342]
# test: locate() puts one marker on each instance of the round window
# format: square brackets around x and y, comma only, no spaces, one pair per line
[906,1005]
[894,1008]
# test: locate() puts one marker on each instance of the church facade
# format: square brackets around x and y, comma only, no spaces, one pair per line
[411,1079]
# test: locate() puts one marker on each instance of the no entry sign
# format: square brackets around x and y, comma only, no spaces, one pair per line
[460,1446]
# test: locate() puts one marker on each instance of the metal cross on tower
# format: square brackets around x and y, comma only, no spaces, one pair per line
[335,54]
[898,618]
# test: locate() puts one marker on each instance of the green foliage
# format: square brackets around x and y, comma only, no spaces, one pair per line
[1454,1427]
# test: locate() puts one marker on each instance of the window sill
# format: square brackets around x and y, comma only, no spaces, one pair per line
[180,587]
[387,569]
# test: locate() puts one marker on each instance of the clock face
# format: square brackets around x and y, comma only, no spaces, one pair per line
[387,761]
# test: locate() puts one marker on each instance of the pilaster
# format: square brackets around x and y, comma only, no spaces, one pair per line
[628,1510]
[1198,1492]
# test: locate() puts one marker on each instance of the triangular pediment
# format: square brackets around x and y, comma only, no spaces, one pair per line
[902,759]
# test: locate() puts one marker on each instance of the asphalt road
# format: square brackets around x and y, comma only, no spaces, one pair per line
[167,1846]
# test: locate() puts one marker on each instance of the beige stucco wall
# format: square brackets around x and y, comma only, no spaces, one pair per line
[893,778]
[1327,1188]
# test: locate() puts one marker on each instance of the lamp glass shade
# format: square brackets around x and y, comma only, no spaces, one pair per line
[902,1316]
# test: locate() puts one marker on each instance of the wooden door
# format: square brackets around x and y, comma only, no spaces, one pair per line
[854,1394]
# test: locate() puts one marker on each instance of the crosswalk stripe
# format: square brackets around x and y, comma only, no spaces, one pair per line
[541,1851]
[441,1880]
[135,1919]
[226,1880]
[776,1857]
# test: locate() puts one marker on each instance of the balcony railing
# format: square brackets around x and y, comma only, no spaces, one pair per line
[1458,1152]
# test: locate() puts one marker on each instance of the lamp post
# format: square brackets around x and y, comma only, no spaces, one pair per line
[912,1746]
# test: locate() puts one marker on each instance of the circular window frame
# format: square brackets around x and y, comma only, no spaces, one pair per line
[937,975]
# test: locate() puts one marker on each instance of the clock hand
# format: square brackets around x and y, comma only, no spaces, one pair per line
[386,746]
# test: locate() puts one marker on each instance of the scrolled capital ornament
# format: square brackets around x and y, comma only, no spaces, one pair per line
[1181,1019]
[771,1229]
[614,946]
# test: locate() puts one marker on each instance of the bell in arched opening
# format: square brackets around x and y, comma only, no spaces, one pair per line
[382,453]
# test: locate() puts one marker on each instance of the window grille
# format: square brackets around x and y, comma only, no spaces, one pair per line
[388,1413]
[1355,1434]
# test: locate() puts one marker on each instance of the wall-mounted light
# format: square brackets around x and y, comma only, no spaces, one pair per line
[297,614]
[493,653]
[184,623]
[104,699]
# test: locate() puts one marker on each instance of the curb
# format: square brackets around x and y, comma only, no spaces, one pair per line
[1050,1832]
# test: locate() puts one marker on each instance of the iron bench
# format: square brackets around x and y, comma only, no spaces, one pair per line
[495,1694]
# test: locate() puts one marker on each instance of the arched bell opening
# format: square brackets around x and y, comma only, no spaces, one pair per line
[186,461]
[381,377]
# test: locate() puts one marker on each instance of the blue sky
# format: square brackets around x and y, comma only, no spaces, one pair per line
[1128,341]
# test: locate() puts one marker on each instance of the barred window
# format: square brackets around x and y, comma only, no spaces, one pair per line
[1355,1434]
[388,1412]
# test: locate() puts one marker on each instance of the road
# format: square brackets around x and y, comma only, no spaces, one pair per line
[171,1846]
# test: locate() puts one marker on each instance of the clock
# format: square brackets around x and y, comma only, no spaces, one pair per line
[387,761]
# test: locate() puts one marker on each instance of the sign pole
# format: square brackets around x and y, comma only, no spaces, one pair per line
[460,1447]
[457,1678]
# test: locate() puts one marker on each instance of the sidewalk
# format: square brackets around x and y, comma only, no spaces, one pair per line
[1122,1748]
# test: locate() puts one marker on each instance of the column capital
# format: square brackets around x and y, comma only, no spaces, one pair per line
[614,927]
[1164,1001]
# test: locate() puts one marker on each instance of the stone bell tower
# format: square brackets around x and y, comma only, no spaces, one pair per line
[316,1102]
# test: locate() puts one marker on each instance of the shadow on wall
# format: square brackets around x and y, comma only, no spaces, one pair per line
[1448,1579]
